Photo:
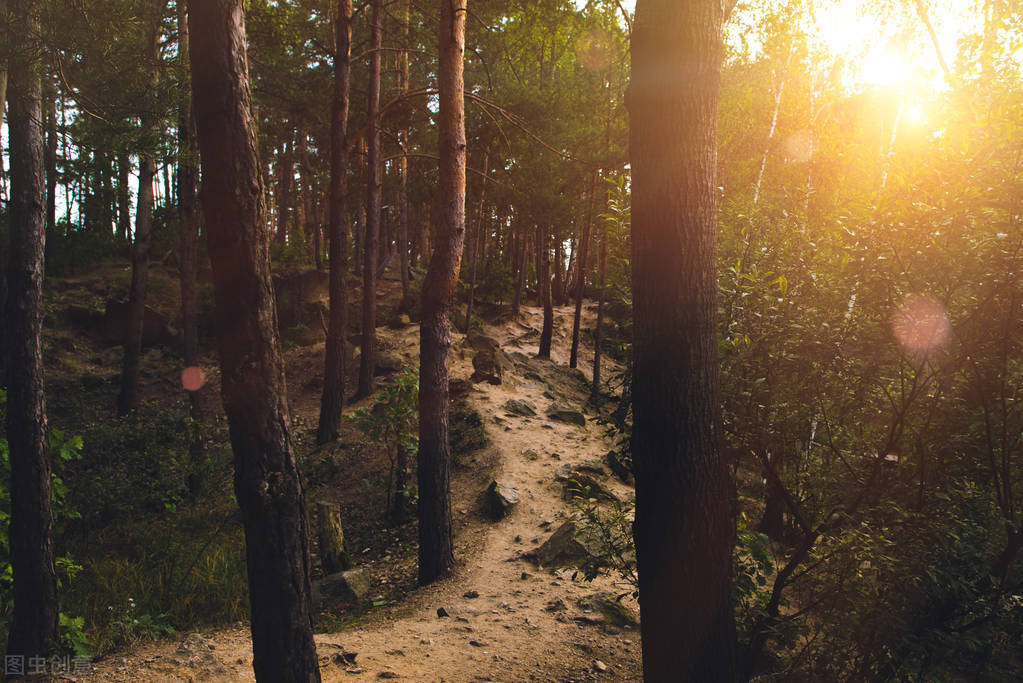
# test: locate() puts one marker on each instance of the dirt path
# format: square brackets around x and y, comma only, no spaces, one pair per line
[508,620]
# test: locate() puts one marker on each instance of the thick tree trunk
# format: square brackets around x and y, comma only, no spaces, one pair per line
[580,286]
[33,630]
[332,399]
[367,359]
[436,548]
[266,481]
[543,286]
[127,400]
[683,530]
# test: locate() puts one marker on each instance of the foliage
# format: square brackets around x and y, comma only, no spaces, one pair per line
[392,421]
[609,530]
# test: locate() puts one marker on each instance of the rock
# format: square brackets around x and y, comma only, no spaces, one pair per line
[458,388]
[599,666]
[567,546]
[441,613]
[592,465]
[479,643]
[519,407]
[490,362]
[621,468]
[399,321]
[566,415]
[609,607]
[578,484]
[556,605]
[530,454]
[466,430]
[387,674]
[349,586]
[471,595]
[388,363]
[500,499]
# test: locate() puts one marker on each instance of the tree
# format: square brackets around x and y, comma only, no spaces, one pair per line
[127,399]
[436,550]
[371,238]
[334,357]
[266,480]
[683,529]
[34,625]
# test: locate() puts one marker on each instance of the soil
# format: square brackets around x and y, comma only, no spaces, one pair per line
[507,619]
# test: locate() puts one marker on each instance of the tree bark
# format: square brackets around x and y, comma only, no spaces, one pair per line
[403,85]
[436,548]
[266,480]
[33,630]
[283,194]
[127,399]
[123,197]
[683,530]
[188,226]
[520,277]
[598,328]
[477,241]
[371,238]
[580,281]
[332,399]
[543,286]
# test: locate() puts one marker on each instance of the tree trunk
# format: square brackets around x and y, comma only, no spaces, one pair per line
[403,85]
[266,480]
[598,328]
[123,197]
[332,399]
[127,399]
[367,360]
[683,530]
[33,630]
[543,286]
[50,158]
[283,194]
[580,281]
[436,549]
[188,226]
[520,277]
[330,535]
[476,243]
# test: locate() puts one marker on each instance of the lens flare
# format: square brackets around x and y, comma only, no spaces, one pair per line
[921,325]
[193,378]
[593,49]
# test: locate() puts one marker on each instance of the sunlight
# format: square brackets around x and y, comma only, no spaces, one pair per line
[193,378]
[884,68]
[921,325]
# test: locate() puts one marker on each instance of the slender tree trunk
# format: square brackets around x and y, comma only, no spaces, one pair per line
[50,158]
[284,173]
[403,85]
[3,104]
[436,548]
[33,629]
[580,282]
[598,328]
[683,530]
[188,226]
[520,277]
[332,399]
[543,286]
[477,241]
[127,400]
[123,197]
[367,360]
[266,481]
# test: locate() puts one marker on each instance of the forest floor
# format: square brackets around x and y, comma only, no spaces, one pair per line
[508,619]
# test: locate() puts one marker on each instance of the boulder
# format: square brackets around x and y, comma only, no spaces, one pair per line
[569,546]
[566,415]
[349,586]
[501,498]
[489,363]
[387,363]
[519,407]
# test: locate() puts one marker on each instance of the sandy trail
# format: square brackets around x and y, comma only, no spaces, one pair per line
[508,619]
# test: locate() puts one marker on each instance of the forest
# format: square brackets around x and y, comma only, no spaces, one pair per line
[558,340]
